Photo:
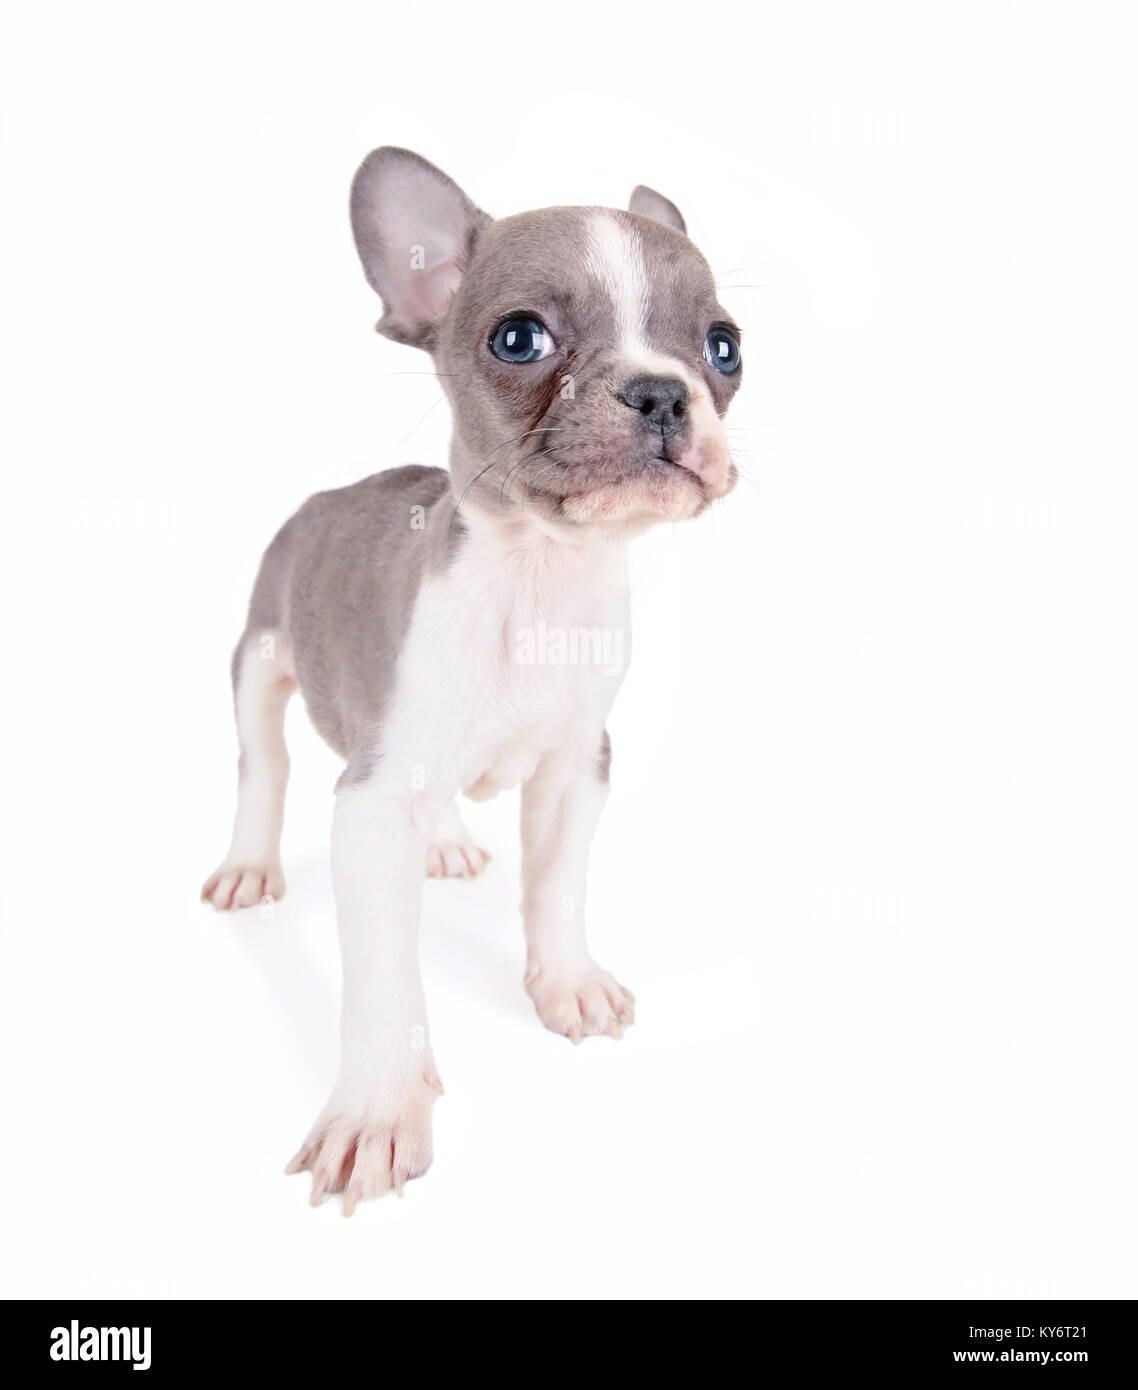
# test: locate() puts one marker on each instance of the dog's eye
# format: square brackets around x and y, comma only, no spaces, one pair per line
[721,348]
[521,340]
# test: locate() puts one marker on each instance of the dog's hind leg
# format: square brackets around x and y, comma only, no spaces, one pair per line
[263,680]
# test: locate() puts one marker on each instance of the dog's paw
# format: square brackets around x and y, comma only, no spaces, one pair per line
[456,859]
[590,1004]
[366,1148]
[453,853]
[243,885]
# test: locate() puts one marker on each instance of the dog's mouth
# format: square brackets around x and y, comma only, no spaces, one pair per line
[578,477]
[584,473]
[663,461]
[652,487]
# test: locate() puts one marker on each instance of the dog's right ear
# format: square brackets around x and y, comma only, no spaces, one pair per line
[415,231]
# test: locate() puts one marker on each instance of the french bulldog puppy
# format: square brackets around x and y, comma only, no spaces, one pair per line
[465,630]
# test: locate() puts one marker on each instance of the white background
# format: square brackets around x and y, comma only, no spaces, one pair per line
[869,860]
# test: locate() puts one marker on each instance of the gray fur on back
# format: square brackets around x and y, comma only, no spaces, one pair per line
[340,581]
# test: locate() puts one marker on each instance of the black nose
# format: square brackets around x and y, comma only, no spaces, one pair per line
[662,400]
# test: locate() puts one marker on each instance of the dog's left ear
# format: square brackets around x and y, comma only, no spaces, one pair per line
[415,230]
[648,203]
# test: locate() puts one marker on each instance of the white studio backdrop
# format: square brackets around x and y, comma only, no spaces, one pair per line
[869,858]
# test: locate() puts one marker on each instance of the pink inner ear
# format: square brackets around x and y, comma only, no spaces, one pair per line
[429,291]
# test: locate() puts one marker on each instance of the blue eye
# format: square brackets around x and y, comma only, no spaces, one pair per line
[521,340]
[721,348]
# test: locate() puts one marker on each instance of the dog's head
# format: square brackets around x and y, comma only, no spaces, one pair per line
[584,351]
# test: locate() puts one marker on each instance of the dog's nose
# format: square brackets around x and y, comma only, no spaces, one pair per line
[663,401]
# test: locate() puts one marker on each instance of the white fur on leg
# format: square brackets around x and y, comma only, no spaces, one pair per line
[251,870]
[375,1131]
[453,854]
[365,1153]
[573,995]
[588,1003]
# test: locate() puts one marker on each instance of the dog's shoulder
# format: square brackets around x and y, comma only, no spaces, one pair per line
[401,514]
[359,556]
[381,501]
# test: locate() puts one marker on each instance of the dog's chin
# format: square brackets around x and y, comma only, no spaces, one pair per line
[657,490]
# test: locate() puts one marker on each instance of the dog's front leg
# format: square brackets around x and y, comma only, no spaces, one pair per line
[375,1131]
[561,804]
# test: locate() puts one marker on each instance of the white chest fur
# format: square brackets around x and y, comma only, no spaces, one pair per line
[515,652]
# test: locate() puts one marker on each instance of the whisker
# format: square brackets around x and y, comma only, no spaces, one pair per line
[751,265]
[525,434]
[744,475]
[465,494]
[551,429]
[420,420]
[409,372]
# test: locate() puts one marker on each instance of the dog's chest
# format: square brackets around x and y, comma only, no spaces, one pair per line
[552,693]
[535,656]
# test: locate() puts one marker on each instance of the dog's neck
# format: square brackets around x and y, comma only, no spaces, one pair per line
[527,548]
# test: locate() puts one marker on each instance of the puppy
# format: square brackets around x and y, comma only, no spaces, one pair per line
[466,630]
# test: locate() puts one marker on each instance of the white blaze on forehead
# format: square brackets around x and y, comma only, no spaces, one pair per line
[615,258]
